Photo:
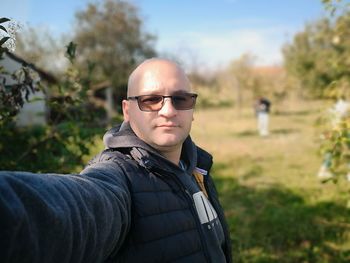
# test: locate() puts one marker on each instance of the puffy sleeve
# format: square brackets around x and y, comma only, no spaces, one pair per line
[63,218]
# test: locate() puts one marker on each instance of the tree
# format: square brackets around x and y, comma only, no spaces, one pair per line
[12,95]
[242,78]
[110,34]
[335,139]
[58,146]
[319,56]
[41,48]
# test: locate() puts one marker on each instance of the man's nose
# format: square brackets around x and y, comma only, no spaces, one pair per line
[168,109]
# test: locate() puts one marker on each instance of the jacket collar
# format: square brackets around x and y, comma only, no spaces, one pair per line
[123,137]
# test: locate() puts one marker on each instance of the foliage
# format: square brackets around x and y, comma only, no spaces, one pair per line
[319,57]
[335,143]
[13,96]
[335,137]
[335,147]
[42,48]
[334,6]
[3,29]
[109,41]
[60,145]
[16,87]
[110,34]
[243,78]
[242,82]
[206,84]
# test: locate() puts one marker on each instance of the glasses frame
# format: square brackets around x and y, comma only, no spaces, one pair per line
[139,103]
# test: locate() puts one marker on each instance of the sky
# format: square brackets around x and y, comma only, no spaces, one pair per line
[202,33]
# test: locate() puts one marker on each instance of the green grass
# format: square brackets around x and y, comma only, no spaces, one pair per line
[277,208]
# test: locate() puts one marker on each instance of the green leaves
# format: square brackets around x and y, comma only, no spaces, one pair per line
[318,57]
[71,49]
[112,34]
[3,28]
[335,143]
[333,6]
[61,144]
[335,146]
[4,20]
[3,39]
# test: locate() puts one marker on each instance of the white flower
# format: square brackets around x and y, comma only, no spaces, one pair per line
[324,172]
[348,176]
[339,111]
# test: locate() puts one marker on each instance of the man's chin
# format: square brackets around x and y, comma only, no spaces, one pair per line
[169,142]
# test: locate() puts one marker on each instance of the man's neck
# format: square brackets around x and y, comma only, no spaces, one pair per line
[172,155]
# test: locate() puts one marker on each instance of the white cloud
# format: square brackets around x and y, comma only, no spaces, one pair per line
[219,48]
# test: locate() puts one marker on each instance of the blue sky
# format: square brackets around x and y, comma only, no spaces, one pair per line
[201,32]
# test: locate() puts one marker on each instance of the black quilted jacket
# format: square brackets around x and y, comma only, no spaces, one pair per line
[128,205]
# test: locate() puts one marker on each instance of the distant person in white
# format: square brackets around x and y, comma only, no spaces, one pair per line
[262,109]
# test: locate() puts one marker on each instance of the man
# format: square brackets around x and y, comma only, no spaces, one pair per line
[147,198]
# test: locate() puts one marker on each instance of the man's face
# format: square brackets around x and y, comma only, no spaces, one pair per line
[167,128]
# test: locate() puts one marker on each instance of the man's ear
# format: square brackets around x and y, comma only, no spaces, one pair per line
[125,106]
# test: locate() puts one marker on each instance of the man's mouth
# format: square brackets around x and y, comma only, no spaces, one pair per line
[168,125]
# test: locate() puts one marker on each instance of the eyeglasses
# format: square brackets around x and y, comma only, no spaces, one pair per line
[185,101]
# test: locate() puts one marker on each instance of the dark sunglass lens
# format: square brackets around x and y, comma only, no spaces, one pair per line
[150,102]
[150,99]
[184,102]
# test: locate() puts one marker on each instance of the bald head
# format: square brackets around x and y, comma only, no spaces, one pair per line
[152,69]
[166,128]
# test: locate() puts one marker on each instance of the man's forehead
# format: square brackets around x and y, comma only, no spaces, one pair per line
[154,83]
[160,77]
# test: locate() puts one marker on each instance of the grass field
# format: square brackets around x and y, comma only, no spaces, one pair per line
[277,208]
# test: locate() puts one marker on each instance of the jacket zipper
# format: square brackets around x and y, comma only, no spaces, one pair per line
[222,219]
[188,196]
[199,226]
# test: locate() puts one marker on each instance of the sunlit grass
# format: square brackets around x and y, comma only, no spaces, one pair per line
[277,208]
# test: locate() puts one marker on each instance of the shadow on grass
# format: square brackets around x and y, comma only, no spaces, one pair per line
[247,133]
[277,225]
[294,113]
[284,131]
[254,133]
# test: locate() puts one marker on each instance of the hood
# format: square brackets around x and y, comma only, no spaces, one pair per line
[122,137]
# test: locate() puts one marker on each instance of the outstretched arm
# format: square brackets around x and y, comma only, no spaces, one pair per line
[63,218]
